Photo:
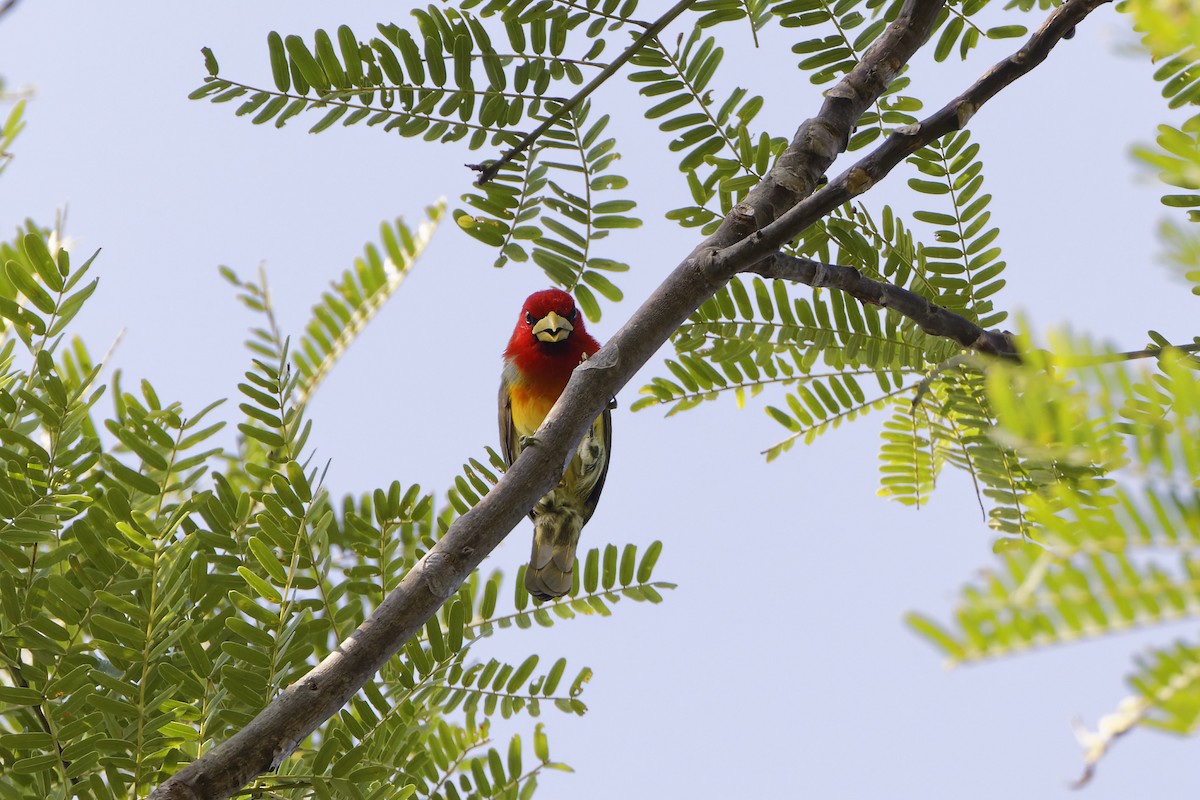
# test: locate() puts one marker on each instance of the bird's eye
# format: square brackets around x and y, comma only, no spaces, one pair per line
[529,317]
[574,313]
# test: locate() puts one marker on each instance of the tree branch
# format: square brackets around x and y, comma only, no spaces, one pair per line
[271,736]
[488,170]
[820,139]
[931,318]
[900,144]
[1154,351]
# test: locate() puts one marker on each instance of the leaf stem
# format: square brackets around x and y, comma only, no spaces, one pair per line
[489,170]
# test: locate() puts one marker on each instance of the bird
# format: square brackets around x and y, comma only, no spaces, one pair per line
[549,341]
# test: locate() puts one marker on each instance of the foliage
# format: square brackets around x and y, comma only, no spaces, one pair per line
[1168,30]
[829,360]
[821,358]
[160,584]
[140,572]
[9,130]
[1113,519]
[1183,252]
[1109,512]
[734,343]
[486,72]
[446,81]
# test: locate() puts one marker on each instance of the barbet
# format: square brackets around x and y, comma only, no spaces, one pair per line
[546,346]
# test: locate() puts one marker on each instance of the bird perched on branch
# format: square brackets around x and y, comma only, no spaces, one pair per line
[546,346]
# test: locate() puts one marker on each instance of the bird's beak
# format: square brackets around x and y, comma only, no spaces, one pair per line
[552,328]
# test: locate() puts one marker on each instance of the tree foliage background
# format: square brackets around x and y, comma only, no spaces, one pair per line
[1033,599]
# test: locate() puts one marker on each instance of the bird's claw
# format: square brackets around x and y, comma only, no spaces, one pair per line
[526,441]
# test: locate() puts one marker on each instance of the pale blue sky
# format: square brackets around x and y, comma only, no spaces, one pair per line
[781,666]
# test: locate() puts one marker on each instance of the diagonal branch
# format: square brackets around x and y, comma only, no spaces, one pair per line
[819,140]
[902,143]
[271,736]
[931,318]
[489,170]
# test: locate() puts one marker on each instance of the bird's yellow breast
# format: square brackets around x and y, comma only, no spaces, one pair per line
[529,409]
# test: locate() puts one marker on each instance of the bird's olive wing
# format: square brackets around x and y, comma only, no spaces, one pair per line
[509,441]
[604,422]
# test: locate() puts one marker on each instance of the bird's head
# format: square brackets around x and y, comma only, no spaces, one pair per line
[549,317]
[550,334]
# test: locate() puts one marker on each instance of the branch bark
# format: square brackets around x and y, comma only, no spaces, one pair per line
[931,318]
[900,144]
[820,139]
[271,736]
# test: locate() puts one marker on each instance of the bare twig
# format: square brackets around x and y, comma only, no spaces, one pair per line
[271,736]
[488,170]
[7,6]
[931,318]
[1155,352]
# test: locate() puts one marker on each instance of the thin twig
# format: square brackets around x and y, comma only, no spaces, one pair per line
[1155,352]
[931,318]
[488,170]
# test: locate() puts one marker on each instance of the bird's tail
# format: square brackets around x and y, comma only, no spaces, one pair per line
[552,562]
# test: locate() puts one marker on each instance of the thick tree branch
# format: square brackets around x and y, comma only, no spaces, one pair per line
[268,739]
[819,140]
[488,170]
[931,318]
[901,144]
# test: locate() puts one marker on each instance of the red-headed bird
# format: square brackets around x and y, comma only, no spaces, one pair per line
[546,346]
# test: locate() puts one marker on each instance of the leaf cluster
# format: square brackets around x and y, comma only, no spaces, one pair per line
[1112,517]
[1078,467]
[487,72]
[446,80]
[159,583]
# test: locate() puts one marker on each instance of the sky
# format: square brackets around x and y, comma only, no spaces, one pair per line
[781,665]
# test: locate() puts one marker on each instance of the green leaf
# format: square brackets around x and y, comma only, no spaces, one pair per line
[39,255]
[279,62]
[269,438]
[1007,32]
[210,61]
[306,64]
[260,586]
[649,559]
[20,696]
[25,283]
[266,558]
[133,479]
